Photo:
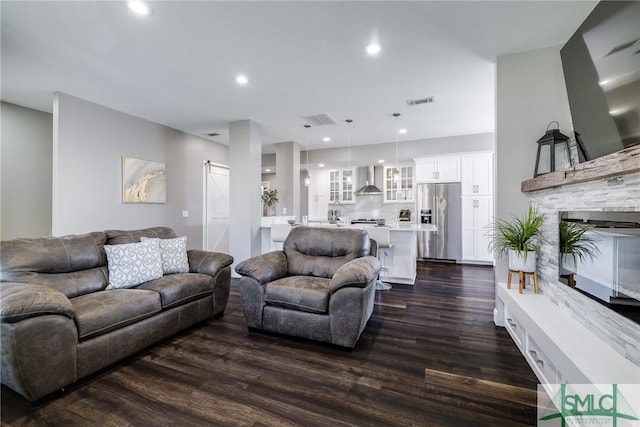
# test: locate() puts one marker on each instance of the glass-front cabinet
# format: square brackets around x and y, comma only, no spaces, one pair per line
[342,186]
[398,184]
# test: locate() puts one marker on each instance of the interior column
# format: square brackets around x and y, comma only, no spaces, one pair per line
[288,178]
[245,158]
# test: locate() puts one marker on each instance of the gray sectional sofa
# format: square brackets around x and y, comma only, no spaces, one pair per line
[60,323]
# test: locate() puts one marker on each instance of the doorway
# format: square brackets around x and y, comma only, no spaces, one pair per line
[216,207]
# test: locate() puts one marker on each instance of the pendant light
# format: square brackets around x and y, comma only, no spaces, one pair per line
[307,179]
[396,172]
[349,151]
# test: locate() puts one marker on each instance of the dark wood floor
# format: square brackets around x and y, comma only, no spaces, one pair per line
[430,356]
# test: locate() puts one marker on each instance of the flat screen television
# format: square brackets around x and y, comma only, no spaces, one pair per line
[601,64]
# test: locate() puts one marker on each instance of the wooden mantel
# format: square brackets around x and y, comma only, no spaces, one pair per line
[623,162]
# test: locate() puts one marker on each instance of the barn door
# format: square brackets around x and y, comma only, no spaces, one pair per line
[216,204]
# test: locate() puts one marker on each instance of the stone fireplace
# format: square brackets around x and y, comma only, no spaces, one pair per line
[611,190]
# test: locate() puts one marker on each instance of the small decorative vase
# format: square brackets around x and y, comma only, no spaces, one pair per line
[522,261]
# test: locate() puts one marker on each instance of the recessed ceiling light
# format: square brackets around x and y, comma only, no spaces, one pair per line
[326,139]
[242,80]
[267,170]
[320,165]
[140,8]
[372,49]
[381,161]
[402,131]
[618,111]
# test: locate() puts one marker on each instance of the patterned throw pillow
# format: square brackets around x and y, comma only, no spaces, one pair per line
[133,263]
[174,254]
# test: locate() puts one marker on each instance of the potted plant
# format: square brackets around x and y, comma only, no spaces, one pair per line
[575,244]
[519,239]
[269,198]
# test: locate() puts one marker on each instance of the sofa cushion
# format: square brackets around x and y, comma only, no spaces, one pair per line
[317,251]
[118,237]
[71,284]
[101,312]
[302,293]
[51,255]
[43,260]
[174,254]
[133,263]
[178,289]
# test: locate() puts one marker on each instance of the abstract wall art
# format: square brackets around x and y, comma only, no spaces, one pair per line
[143,181]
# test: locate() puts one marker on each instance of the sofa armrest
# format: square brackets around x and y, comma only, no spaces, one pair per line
[207,262]
[358,272]
[265,268]
[20,301]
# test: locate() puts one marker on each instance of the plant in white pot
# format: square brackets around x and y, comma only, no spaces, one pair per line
[575,244]
[269,198]
[519,239]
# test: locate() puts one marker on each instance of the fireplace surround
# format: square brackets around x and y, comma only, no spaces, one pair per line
[615,189]
[611,276]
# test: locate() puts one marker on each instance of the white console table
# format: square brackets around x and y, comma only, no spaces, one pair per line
[557,346]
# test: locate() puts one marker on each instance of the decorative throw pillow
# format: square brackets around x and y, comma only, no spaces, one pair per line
[133,263]
[173,253]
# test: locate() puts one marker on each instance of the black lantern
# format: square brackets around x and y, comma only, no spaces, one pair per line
[553,151]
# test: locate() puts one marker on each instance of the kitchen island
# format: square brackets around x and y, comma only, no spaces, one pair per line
[400,262]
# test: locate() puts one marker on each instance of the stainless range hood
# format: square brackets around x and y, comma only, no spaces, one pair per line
[369,187]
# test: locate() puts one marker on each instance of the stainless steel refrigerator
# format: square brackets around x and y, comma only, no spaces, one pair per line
[440,205]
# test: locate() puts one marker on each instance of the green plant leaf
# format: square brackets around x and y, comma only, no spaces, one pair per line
[269,196]
[574,240]
[519,234]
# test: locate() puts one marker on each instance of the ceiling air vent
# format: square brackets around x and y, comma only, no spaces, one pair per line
[212,134]
[427,100]
[320,119]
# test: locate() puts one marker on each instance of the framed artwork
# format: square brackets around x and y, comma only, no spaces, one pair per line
[143,181]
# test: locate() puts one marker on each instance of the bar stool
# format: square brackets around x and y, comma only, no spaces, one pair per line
[279,233]
[383,238]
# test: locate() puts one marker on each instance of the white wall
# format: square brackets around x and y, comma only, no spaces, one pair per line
[530,93]
[89,142]
[26,153]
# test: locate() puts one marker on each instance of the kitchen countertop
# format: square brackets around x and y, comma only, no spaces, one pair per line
[400,227]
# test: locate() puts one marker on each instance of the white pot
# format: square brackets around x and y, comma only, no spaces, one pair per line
[523,261]
[568,264]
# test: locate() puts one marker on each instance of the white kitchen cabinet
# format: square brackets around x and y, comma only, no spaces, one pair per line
[477,213]
[318,195]
[341,188]
[437,169]
[477,175]
[401,257]
[400,190]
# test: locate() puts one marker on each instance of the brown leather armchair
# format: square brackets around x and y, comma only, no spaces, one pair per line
[321,286]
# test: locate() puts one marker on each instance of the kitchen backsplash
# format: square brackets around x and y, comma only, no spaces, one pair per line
[372,207]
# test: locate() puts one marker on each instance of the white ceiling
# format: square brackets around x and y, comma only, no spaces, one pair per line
[177,67]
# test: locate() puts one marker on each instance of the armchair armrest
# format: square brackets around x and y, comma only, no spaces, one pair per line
[358,272]
[20,301]
[207,262]
[265,268]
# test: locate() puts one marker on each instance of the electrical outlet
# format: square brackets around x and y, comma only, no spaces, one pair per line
[284,211]
[185,214]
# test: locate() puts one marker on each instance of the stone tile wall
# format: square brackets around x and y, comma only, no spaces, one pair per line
[617,194]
